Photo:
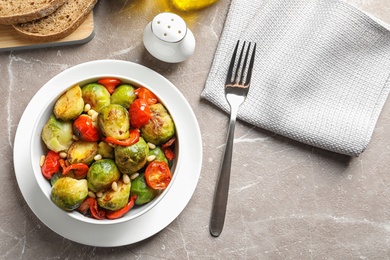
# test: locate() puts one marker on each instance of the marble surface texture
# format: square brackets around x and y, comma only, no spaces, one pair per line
[287,200]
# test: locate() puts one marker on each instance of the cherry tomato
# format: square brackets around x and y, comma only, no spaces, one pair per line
[120,212]
[84,129]
[147,95]
[134,137]
[51,165]
[158,175]
[109,83]
[139,113]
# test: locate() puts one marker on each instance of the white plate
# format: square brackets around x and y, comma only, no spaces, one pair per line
[148,224]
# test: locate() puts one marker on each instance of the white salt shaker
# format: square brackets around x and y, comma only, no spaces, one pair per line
[167,38]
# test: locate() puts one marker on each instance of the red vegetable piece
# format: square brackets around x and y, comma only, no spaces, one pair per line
[147,95]
[120,212]
[51,165]
[169,154]
[158,175]
[134,137]
[109,83]
[139,113]
[79,169]
[85,130]
[96,211]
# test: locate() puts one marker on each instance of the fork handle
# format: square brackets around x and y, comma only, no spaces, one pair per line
[222,190]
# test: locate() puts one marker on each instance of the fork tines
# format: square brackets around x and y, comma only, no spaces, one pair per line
[240,73]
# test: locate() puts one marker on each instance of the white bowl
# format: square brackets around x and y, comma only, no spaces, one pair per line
[38,148]
[138,224]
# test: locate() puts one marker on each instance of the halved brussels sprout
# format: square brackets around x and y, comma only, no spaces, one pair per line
[140,188]
[70,104]
[57,134]
[114,200]
[82,152]
[68,193]
[114,121]
[130,159]
[102,174]
[158,152]
[123,95]
[160,127]
[96,95]
[106,150]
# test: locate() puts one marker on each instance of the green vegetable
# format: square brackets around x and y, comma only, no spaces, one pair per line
[68,193]
[130,159]
[96,95]
[114,200]
[114,121]
[123,95]
[144,193]
[57,134]
[102,174]
[160,128]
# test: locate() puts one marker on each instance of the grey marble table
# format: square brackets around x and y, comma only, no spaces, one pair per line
[287,200]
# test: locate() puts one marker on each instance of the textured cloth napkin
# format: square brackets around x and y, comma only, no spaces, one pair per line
[321,72]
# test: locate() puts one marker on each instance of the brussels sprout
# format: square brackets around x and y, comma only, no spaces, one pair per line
[57,134]
[114,200]
[130,159]
[160,127]
[106,150]
[68,193]
[123,95]
[70,104]
[82,152]
[158,152]
[142,190]
[102,174]
[114,121]
[96,96]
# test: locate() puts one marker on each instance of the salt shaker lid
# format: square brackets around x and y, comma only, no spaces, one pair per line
[169,27]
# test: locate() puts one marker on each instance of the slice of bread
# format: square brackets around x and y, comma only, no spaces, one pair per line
[66,19]
[21,11]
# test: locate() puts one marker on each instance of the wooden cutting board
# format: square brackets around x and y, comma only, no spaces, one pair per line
[10,40]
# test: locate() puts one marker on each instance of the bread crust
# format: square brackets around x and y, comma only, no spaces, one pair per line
[31,30]
[23,11]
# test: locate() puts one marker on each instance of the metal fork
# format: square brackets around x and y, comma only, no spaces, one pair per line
[236,90]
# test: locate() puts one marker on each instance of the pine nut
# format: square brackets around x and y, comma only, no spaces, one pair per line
[126,178]
[91,194]
[87,107]
[63,155]
[75,138]
[94,117]
[114,186]
[150,158]
[151,145]
[134,175]
[97,157]
[99,194]
[91,112]
[42,160]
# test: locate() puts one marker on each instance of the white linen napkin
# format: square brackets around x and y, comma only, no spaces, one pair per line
[321,72]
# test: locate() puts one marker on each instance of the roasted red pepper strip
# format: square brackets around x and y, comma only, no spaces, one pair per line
[134,137]
[90,206]
[120,212]
[168,143]
[169,154]
[109,83]
[97,213]
[51,165]
[79,169]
